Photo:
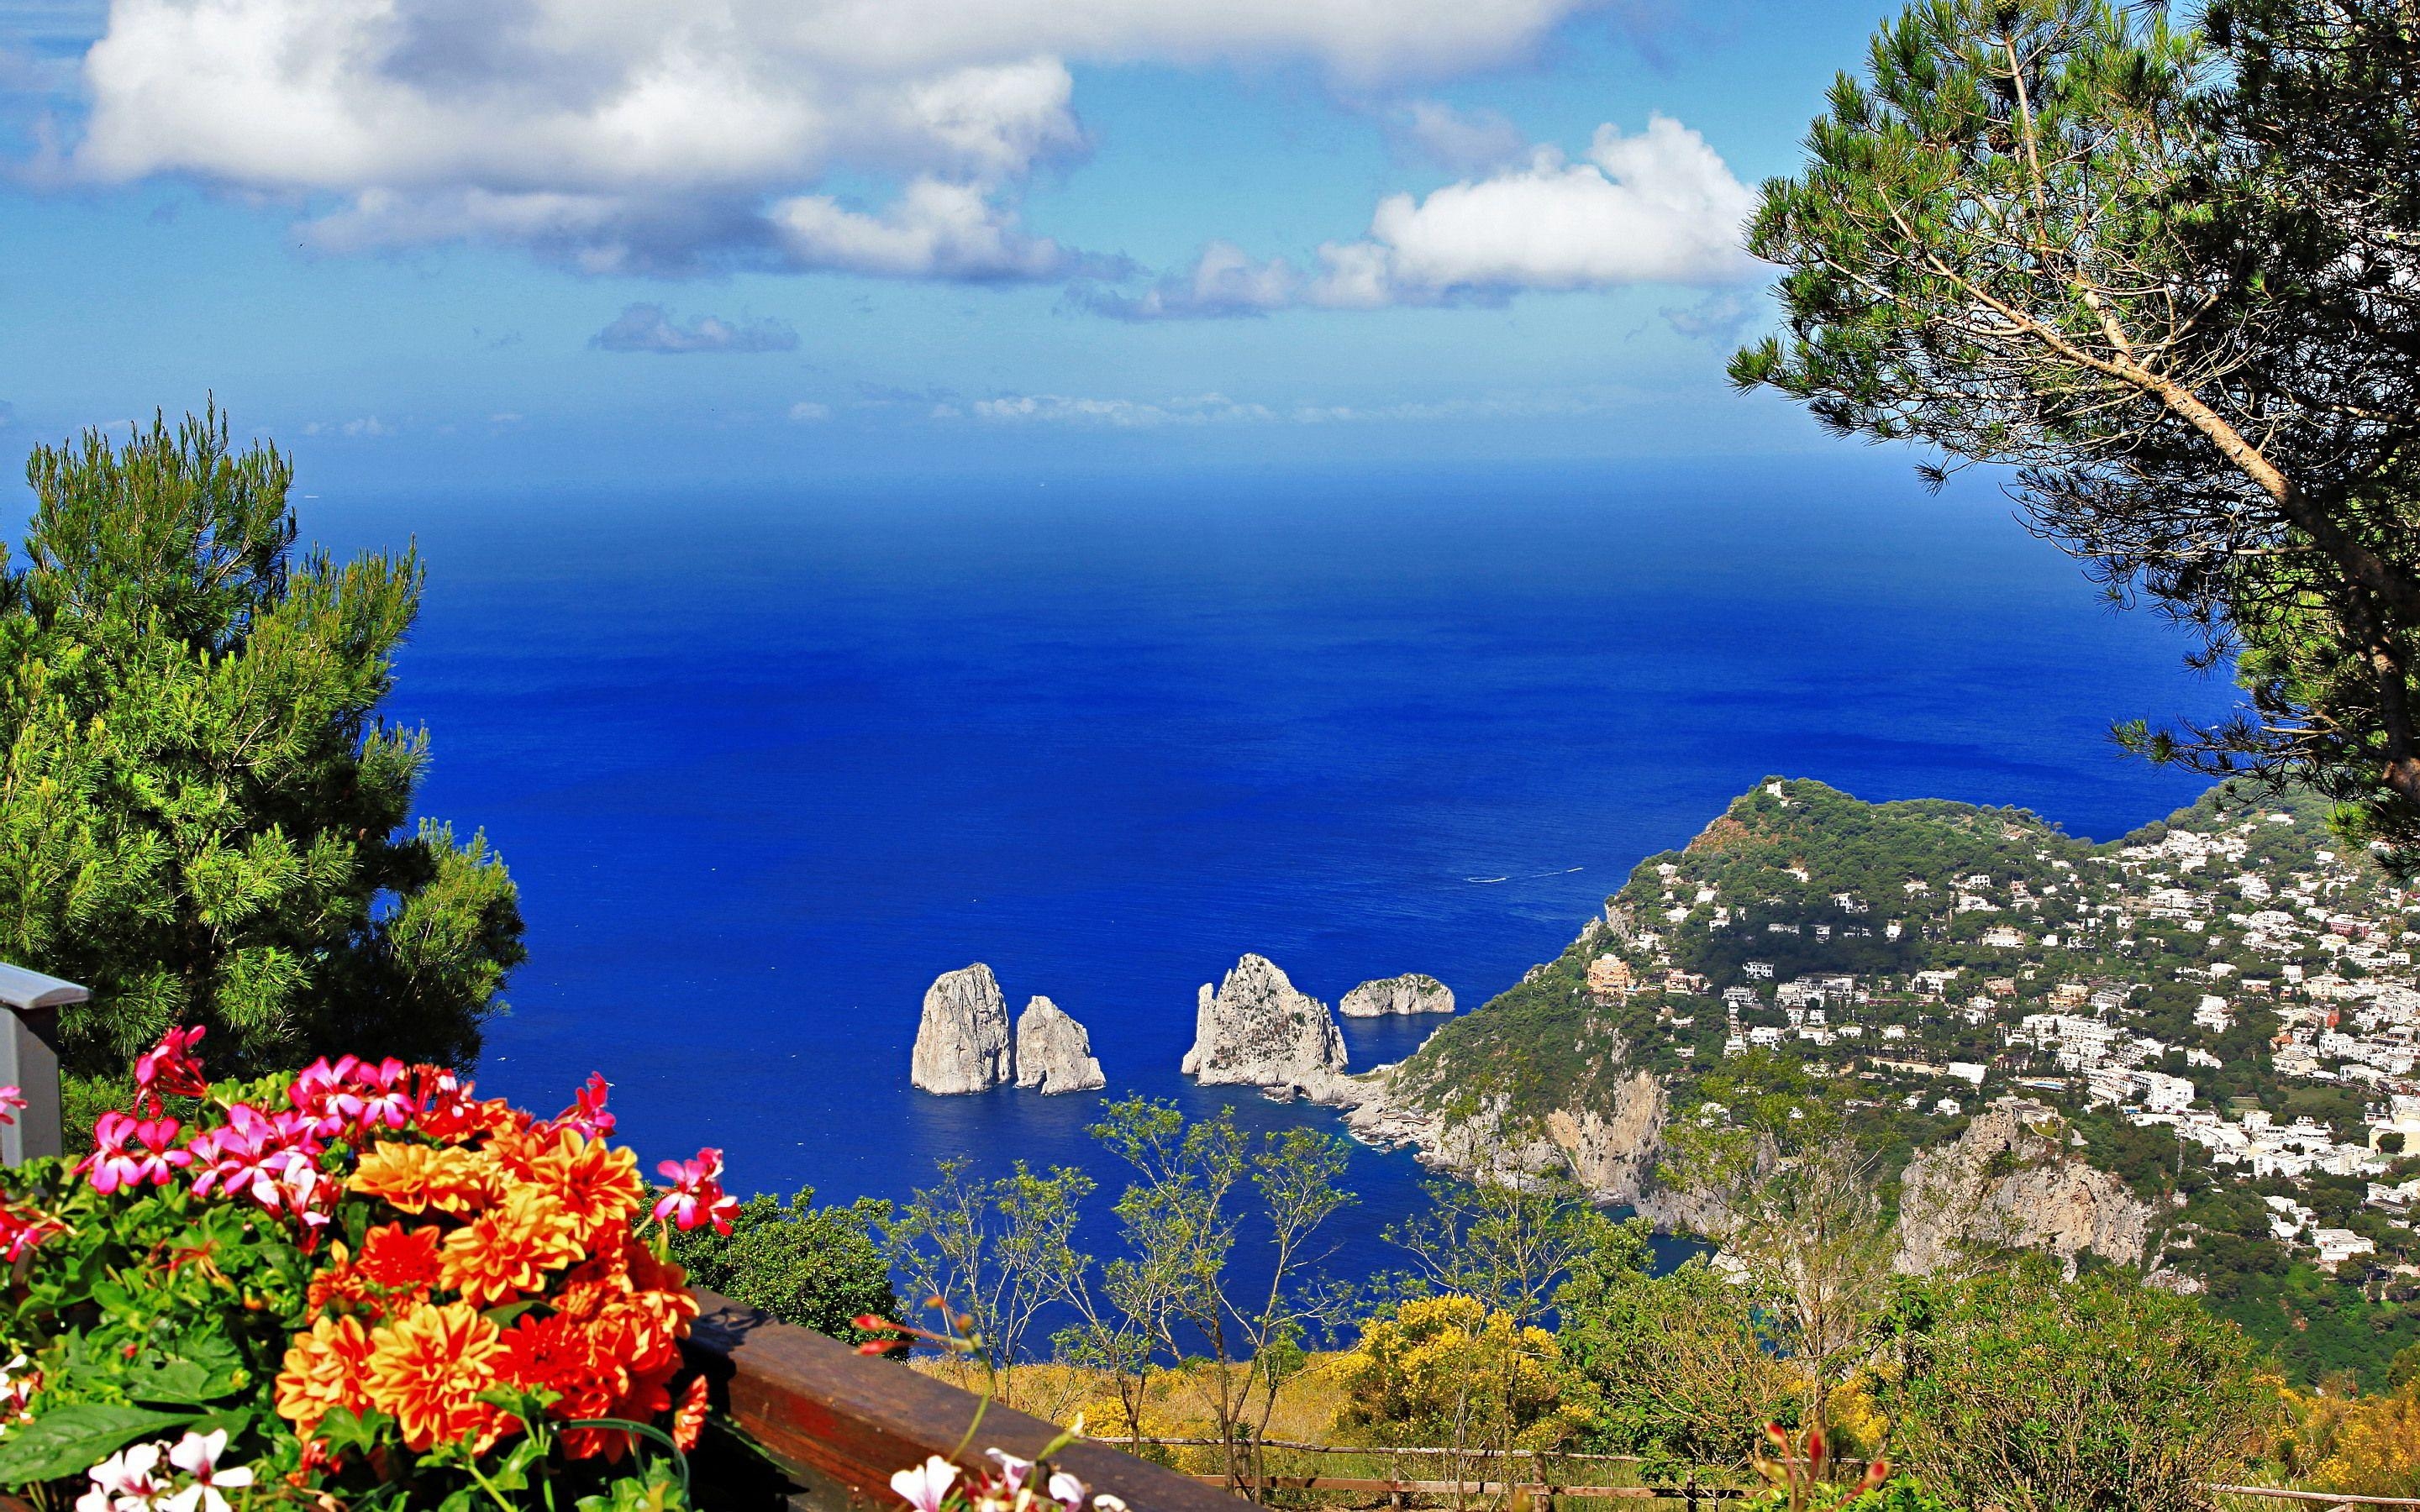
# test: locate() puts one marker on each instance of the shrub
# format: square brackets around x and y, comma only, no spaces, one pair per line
[816,1267]
[2040,1394]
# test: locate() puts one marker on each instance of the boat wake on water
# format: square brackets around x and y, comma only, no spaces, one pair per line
[1528,875]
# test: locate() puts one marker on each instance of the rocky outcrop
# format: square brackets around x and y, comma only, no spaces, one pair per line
[1256,1030]
[2008,1183]
[1612,1151]
[962,1045]
[1410,992]
[1053,1052]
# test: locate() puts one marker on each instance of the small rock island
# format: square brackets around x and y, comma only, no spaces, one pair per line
[1411,992]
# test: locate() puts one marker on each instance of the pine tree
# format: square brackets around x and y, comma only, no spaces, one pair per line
[203,816]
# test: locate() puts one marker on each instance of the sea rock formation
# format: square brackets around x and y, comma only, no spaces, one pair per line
[962,1045]
[2009,1182]
[1410,992]
[1256,1030]
[1053,1052]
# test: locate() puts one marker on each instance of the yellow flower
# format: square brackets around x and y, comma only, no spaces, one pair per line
[509,1249]
[418,1178]
[597,1184]
[323,1370]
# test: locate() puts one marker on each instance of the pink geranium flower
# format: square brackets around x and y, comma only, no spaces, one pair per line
[170,1067]
[128,1152]
[696,1195]
[385,1094]
[587,1112]
[12,1102]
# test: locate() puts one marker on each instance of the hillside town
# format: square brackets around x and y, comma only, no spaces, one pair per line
[2231,978]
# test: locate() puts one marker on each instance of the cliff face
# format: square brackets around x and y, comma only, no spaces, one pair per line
[1053,1052]
[1611,1151]
[962,1044]
[2010,1183]
[1410,992]
[1256,1030]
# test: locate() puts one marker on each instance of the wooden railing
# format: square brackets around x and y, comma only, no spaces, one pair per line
[834,1425]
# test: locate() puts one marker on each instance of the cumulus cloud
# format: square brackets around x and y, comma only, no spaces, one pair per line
[1660,206]
[661,136]
[650,328]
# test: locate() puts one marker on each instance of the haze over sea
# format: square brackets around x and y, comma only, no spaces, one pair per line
[764,765]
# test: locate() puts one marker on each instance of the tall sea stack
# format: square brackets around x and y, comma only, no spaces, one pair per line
[1256,1030]
[1053,1052]
[962,1045]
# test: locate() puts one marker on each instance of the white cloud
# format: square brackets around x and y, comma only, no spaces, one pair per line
[807,411]
[934,229]
[649,328]
[1217,409]
[369,426]
[1223,281]
[1657,207]
[1059,409]
[669,136]
[1719,318]
[1460,140]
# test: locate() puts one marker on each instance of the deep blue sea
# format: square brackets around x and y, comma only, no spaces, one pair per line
[763,763]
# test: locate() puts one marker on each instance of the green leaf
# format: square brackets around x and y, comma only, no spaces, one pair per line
[71,1440]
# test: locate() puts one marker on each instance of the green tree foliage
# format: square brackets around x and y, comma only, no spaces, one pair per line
[995,1252]
[2020,1389]
[1679,1368]
[816,1267]
[1795,1203]
[202,815]
[2169,277]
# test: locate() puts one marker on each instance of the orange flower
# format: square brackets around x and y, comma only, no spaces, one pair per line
[393,1255]
[557,1354]
[323,1370]
[426,1369]
[597,1184]
[396,1269]
[688,1417]
[509,1248]
[417,1177]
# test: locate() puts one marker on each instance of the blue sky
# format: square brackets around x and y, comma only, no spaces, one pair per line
[428,241]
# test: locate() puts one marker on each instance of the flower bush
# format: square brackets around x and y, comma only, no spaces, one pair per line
[359,1285]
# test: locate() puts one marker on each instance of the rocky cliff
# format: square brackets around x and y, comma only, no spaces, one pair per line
[1053,1052]
[962,1044]
[1256,1030]
[1610,1149]
[2010,1183]
[1410,992]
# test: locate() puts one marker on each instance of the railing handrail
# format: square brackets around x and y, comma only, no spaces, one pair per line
[849,1421]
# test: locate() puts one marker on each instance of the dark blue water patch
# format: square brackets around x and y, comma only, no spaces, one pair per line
[764,766]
